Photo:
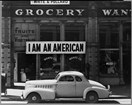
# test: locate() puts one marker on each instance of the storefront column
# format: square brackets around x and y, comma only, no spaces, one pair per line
[62,38]
[12,62]
[86,39]
[37,55]
[92,48]
[121,52]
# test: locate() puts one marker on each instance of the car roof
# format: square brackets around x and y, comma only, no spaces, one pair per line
[71,73]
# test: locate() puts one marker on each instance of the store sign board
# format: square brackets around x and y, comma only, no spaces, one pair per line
[49,2]
[68,12]
[23,32]
[55,47]
[114,12]
[49,12]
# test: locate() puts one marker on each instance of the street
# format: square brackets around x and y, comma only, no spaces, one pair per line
[71,102]
[13,97]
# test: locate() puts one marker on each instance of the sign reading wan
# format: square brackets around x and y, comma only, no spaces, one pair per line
[55,47]
[49,2]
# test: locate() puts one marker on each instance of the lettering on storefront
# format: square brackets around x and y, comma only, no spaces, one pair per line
[69,12]
[23,32]
[26,31]
[49,12]
[53,2]
[55,47]
[114,12]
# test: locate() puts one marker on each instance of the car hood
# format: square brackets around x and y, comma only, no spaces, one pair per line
[94,83]
[44,82]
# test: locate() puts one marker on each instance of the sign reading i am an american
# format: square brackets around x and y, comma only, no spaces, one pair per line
[55,47]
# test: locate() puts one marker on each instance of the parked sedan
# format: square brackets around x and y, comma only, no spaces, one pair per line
[67,84]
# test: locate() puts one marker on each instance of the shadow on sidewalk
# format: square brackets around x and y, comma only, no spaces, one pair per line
[124,90]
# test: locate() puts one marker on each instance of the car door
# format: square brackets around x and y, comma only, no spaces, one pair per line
[81,85]
[65,86]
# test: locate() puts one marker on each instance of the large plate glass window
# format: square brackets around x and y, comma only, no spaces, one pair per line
[49,63]
[109,48]
[75,32]
[127,52]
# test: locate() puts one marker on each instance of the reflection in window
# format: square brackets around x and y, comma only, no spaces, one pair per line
[74,32]
[109,35]
[127,32]
[109,63]
[49,32]
[127,52]
[67,78]
[109,48]
[78,79]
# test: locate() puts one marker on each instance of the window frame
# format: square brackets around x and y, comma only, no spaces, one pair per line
[79,77]
[65,80]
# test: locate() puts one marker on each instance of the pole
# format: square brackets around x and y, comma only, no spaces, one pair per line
[0,36]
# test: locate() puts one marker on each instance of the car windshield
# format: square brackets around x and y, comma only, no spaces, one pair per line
[57,76]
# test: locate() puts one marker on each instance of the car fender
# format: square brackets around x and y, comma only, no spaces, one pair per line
[102,92]
[45,94]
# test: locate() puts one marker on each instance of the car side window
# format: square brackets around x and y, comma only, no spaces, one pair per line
[78,79]
[67,79]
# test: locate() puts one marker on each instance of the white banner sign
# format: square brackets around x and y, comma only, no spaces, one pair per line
[55,47]
[49,2]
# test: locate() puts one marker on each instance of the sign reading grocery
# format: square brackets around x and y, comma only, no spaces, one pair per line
[55,47]
[49,12]
[49,2]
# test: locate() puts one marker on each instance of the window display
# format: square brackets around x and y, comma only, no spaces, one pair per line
[109,48]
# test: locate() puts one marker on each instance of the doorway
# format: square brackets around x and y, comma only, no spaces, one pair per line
[27,62]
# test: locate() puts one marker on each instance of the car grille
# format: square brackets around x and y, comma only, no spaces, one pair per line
[44,86]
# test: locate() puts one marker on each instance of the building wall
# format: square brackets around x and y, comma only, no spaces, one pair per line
[91,37]
[6,34]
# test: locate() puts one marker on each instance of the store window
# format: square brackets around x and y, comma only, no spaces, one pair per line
[74,32]
[49,63]
[109,48]
[127,52]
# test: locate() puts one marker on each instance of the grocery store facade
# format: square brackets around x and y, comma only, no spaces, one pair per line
[103,27]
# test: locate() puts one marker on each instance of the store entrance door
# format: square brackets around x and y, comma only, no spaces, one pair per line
[27,64]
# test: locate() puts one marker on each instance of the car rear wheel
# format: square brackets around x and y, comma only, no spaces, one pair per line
[91,97]
[33,98]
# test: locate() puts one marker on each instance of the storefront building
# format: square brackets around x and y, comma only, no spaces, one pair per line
[103,27]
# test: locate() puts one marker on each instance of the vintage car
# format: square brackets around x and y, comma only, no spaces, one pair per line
[67,84]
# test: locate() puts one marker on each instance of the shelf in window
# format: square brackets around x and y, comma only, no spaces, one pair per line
[113,49]
[108,75]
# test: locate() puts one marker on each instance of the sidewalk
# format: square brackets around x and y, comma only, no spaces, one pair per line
[123,91]
[14,94]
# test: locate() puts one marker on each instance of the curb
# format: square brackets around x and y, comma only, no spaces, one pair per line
[10,98]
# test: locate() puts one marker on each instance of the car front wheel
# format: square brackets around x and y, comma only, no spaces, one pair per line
[92,97]
[33,98]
